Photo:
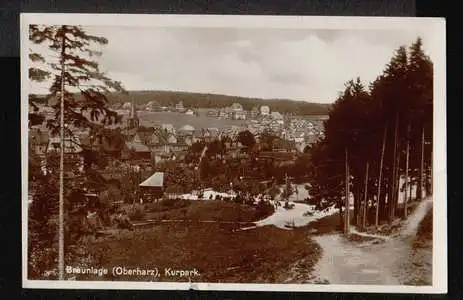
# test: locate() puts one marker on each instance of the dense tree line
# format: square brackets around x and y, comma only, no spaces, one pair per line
[378,140]
[200,100]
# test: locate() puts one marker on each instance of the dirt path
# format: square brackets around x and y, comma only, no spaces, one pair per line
[294,217]
[383,262]
[344,262]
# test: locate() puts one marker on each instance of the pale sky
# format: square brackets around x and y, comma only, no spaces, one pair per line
[299,64]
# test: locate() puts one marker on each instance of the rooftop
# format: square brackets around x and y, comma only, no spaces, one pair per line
[155,180]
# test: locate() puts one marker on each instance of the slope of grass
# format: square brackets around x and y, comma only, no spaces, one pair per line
[262,255]
[424,232]
[326,225]
[417,269]
[200,210]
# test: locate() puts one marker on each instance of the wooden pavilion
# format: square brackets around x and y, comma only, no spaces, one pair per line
[153,187]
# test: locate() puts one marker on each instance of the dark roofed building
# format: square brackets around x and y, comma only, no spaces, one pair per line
[284,145]
[110,146]
[278,158]
[153,187]
[136,149]
[163,143]
[145,137]
[129,133]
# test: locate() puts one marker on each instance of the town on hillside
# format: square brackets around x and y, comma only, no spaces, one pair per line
[150,148]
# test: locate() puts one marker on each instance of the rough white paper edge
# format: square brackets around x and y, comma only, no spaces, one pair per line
[436,25]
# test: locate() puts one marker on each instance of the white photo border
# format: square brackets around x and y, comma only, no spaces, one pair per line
[434,25]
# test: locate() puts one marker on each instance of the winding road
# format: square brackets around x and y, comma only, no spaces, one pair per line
[343,262]
[383,263]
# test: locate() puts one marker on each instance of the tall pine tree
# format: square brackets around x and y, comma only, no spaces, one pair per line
[77,81]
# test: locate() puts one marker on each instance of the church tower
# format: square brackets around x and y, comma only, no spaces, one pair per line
[133,121]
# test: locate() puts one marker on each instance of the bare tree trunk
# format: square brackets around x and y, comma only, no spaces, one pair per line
[356,204]
[137,191]
[380,178]
[410,191]
[382,204]
[61,168]
[395,203]
[406,172]
[393,196]
[397,184]
[364,209]
[422,165]
[341,218]
[358,220]
[346,212]
[355,208]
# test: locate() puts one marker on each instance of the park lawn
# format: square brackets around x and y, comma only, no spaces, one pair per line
[261,255]
[200,210]
[424,233]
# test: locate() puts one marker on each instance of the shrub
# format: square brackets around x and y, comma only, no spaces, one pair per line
[312,201]
[264,209]
[114,209]
[308,213]
[273,192]
[137,215]
[123,223]
[249,201]
[40,260]
[238,199]
[288,206]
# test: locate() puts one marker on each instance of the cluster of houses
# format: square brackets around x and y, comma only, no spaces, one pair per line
[146,147]
[232,112]
[165,142]
[298,133]
[303,131]
[154,106]
[236,112]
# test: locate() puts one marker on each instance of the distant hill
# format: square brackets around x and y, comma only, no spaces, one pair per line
[201,100]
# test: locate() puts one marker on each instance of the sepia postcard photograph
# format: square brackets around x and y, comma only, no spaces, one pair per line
[260,153]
